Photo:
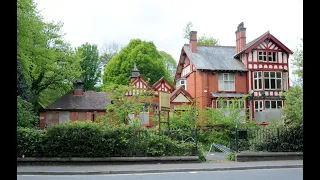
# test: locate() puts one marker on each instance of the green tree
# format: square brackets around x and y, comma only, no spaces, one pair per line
[122,105]
[187,30]
[297,63]
[107,52]
[90,65]
[207,40]
[146,57]
[47,59]
[170,65]
[201,40]
[26,117]
[293,109]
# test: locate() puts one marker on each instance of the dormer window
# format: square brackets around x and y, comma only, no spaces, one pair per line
[183,83]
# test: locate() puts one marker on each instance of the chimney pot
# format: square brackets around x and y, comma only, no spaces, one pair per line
[240,37]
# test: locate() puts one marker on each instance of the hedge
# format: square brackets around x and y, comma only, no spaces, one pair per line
[87,139]
[288,140]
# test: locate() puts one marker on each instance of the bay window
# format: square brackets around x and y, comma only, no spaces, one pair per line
[257,80]
[236,104]
[273,104]
[272,80]
[258,106]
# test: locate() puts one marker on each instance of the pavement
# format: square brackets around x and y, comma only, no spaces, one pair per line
[218,165]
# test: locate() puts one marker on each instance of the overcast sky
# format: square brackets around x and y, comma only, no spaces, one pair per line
[162,21]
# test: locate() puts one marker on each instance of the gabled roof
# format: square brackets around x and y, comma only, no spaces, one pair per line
[215,58]
[162,79]
[179,90]
[254,43]
[90,100]
[140,78]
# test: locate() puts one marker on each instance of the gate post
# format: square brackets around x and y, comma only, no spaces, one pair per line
[236,140]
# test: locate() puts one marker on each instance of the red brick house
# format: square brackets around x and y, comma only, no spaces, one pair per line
[75,105]
[259,67]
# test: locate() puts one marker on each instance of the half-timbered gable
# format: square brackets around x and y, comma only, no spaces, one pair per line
[163,85]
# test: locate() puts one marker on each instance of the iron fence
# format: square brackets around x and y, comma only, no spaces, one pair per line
[267,139]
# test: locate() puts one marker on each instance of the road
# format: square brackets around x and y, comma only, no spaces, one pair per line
[253,174]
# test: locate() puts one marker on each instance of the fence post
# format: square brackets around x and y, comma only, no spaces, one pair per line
[236,140]
[196,139]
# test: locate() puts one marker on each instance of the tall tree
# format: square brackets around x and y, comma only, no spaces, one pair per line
[47,59]
[170,65]
[146,57]
[187,30]
[202,40]
[89,65]
[207,40]
[293,109]
[107,52]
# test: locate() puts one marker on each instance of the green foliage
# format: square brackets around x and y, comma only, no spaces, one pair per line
[230,156]
[288,140]
[170,66]
[207,40]
[26,117]
[122,105]
[144,54]
[90,65]
[202,40]
[29,142]
[184,119]
[48,61]
[293,109]
[187,30]
[297,63]
[87,139]
[108,51]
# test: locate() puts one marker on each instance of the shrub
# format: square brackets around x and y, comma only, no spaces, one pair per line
[29,142]
[26,117]
[230,156]
[288,140]
[87,139]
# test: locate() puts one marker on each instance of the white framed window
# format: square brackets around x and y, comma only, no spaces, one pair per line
[237,104]
[258,106]
[262,56]
[183,83]
[272,56]
[267,57]
[272,80]
[226,82]
[273,104]
[257,80]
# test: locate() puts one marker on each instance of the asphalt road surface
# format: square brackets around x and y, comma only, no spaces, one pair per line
[253,174]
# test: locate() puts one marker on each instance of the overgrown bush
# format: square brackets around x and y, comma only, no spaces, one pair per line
[230,156]
[288,140]
[26,116]
[87,139]
[29,142]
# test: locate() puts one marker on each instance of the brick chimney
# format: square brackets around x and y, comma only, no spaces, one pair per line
[78,88]
[240,37]
[193,42]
